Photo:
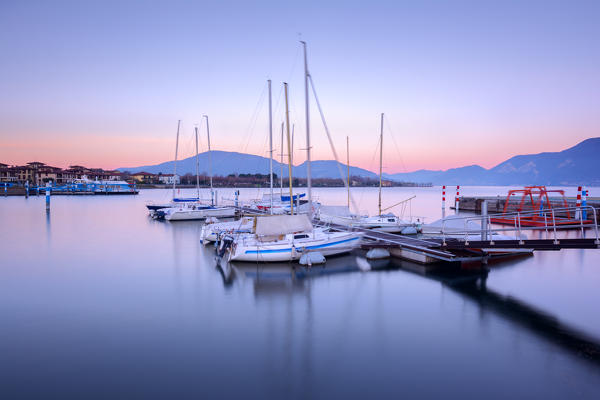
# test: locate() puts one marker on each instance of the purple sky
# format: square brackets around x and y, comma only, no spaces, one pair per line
[463,82]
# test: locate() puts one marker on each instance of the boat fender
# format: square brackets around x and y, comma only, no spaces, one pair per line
[409,230]
[313,258]
[377,254]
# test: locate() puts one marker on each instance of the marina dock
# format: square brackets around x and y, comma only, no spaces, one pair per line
[496,204]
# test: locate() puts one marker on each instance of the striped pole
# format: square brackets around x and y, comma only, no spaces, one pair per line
[457,200]
[584,194]
[443,202]
[578,203]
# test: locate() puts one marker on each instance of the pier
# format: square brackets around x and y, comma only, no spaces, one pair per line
[496,203]
[469,246]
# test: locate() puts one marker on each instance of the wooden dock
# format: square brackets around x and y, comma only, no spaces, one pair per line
[430,250]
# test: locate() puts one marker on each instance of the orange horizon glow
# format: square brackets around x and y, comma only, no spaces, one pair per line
[114,152]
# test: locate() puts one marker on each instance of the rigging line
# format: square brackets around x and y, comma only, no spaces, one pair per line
[294,63]
[392,134]
[362,193]
[254,118]
[342,175]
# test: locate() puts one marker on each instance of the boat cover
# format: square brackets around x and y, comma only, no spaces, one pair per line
[338,211]
[282,224]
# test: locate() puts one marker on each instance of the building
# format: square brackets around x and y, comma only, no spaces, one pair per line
[38,173]
[144,177]
[169,179]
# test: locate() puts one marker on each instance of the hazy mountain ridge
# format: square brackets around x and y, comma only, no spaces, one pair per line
[226,162]
[578,165]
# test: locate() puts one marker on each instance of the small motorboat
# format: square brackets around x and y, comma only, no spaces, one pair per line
[210,232]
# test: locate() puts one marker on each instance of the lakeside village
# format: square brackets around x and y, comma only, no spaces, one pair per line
[76,178]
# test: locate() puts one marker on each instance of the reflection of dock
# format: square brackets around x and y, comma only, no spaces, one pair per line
[472,285]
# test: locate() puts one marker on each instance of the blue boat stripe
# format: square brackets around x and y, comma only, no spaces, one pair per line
[300,249]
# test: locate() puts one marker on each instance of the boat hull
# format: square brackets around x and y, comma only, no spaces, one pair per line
[199,214]
[338,243]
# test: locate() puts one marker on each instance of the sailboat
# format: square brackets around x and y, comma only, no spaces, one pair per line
[196,210]
[289,237]
[387,222]
[154,206]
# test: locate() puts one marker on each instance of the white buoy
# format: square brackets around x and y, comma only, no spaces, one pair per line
[377,254]
[312,258]
[409,230]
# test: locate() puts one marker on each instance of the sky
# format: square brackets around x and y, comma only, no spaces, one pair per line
[103,83]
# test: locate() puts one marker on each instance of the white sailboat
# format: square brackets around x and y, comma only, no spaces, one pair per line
[175,201]
[383,222]
[196,210]
[288,237]
[210,232]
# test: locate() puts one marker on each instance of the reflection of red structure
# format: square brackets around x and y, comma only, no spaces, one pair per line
[537,205]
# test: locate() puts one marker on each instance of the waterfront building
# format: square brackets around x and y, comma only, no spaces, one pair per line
[169,179]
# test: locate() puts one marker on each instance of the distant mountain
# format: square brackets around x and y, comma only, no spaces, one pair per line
[578,165]
[225,163]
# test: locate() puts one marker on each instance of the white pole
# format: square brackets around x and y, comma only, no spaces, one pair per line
[175,162]
[443,202]
[281,163]
[380,161]
[457,200]
[308,171]
[270,147]
[212,202]
[197,168]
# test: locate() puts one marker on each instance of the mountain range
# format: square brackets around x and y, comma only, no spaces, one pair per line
[578,165]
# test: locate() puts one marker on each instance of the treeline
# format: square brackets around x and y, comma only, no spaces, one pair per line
[262,180]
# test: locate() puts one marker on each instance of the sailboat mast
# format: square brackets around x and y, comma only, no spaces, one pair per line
[380,161]
[293,127]
[270,147]
[197,167]
[175,162]
[281,163]
[212,201]
[287,124]
[308,171]
[348,166]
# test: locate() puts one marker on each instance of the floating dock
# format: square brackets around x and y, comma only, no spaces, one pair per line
[496,203]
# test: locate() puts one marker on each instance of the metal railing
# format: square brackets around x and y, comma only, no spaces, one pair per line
[549,226]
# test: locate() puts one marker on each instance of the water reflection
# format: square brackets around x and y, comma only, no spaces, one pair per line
[472,285]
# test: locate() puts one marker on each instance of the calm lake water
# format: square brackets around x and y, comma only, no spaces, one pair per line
[98,300]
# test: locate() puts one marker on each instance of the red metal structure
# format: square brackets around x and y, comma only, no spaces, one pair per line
[537,206]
